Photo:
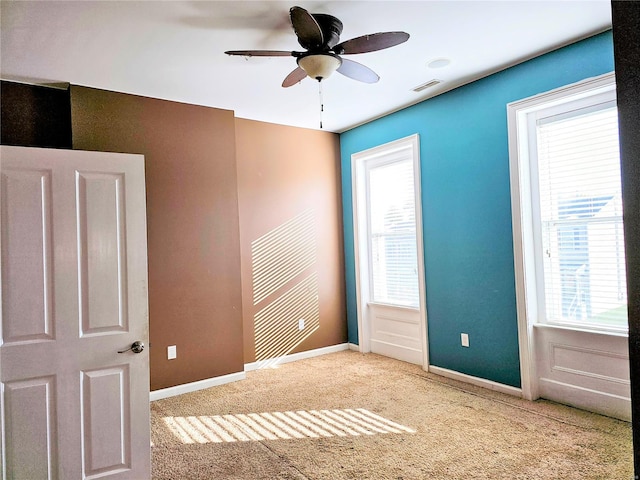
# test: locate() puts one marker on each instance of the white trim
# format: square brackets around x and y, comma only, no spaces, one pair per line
[588,399]
[417,182]
[580,328]
[195,386]
[360,245]
[521,231]
[477,381]
[353,347]
[249,367]
[557,96]
[359,192]
[234,377]
[526,297]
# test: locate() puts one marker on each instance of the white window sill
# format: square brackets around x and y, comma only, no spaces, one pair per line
[616,332]
[391,305]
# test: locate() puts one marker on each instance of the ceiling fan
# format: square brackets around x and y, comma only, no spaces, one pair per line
[319,34]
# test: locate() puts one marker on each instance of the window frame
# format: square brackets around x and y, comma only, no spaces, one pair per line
[522,210]
[358,222]
[524,265]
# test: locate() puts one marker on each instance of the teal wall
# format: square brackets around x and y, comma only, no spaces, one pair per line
[466,206]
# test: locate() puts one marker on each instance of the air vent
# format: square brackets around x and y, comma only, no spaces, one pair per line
[429,84]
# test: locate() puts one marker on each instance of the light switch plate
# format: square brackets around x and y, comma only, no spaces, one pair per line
[171,352]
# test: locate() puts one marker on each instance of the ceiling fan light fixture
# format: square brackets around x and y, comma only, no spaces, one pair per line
[320,66]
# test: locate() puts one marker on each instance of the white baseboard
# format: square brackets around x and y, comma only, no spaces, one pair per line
[234,377]
[479,382]
[195,386]
[354,347]
[248,367]
[585,398]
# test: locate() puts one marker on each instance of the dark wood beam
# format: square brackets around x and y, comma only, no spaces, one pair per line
[626,43]
[34,116]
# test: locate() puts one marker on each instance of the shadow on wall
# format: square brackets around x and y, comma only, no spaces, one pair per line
[285,256]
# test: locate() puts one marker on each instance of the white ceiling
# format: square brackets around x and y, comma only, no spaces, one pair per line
[174,50]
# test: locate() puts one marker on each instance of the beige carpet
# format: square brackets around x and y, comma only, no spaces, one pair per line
[353,416]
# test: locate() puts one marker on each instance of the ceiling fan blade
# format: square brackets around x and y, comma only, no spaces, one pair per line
[306,28]
[357,71]
[371,43]
[294,77]
[261,53]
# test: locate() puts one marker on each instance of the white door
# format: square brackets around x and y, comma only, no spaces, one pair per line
[391,305]
[74,294]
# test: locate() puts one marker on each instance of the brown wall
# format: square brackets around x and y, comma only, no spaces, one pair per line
[241,215]
[192,217]
[290,238]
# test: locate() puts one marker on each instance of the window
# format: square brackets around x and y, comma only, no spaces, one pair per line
[581,216]
[569,172]
[392,231]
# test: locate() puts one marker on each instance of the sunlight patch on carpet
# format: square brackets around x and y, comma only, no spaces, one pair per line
[281,426]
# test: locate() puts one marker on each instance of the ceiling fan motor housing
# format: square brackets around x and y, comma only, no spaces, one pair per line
[331,29]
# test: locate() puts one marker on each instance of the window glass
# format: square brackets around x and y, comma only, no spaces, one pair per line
[580,217]
[392,226]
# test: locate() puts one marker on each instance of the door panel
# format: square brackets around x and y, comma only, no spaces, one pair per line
[395,332]
[32,450]
[26,205]
[102,253]
[588,370]
[105,420]
[74,293]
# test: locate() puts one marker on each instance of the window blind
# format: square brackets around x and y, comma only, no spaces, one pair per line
[392,224]
[580,202]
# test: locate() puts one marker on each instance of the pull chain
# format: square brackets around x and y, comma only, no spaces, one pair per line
[321,101]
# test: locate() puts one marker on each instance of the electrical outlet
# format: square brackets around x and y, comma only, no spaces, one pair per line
[171,352]
[464,339]
[301,324]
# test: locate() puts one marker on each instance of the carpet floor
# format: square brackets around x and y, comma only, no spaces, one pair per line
[351,416]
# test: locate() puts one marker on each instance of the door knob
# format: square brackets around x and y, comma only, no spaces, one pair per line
[136,347]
